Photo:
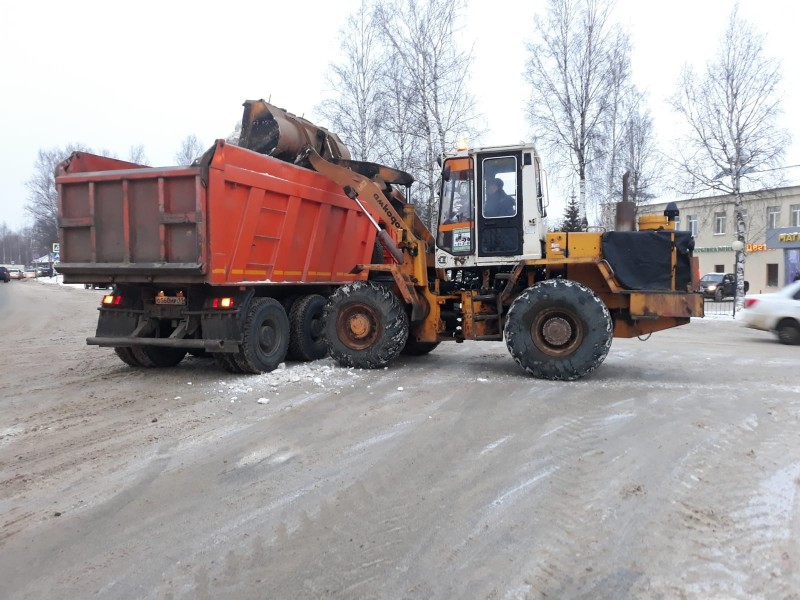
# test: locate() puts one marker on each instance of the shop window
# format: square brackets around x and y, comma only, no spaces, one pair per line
[772,275]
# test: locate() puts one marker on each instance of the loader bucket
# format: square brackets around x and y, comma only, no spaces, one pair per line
[270,130]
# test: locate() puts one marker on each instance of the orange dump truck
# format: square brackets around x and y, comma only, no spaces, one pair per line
[189,248]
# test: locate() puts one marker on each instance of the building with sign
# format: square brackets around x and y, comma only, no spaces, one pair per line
[772,234]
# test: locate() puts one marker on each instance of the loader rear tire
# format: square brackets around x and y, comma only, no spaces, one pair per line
[558,330]
[365,325]
[157,357]
[306,324]
[266,337]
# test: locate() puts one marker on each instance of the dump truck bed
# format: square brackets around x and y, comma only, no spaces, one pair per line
[237,217]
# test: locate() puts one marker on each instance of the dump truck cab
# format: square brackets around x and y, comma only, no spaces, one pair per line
[493,207]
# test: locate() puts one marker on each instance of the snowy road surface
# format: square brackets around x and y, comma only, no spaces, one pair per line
[672,472]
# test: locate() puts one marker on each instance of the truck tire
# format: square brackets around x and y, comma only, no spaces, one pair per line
[157,357]
[228,362]
[266,337]
[125,354]
[366,325]
[558,330]
[306,324]
[416,348]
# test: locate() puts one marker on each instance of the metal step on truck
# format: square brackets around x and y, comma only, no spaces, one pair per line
[267,251]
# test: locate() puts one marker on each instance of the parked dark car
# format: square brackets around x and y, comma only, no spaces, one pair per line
[720,285]
[4,275]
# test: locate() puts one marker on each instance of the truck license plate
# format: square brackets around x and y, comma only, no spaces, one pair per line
[171,300]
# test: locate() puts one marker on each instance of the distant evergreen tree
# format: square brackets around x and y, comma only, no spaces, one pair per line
[572,216]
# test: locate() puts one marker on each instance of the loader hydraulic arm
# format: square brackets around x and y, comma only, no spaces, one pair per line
[371,197]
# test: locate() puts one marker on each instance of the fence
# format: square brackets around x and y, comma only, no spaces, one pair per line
[721,307]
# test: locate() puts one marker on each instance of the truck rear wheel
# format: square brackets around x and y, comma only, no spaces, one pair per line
[266,337]
[157,357]
[126,355]
[228,362]
[365,325]
[559,330]
[306,324]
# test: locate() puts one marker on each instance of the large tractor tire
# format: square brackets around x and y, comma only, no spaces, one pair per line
[365,325]
[157,357]
[266,337]
[306,324]
[559,330]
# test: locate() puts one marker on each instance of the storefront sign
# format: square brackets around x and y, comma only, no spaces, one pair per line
[714,249]
[787,237]
[756,248]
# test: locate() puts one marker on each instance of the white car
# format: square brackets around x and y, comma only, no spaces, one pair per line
[778,312]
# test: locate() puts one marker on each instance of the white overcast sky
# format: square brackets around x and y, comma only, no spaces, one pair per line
[112,75]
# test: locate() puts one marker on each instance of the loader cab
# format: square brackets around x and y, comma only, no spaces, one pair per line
[492,207]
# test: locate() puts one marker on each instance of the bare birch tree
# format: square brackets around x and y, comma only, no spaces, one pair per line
[574,71]
[42,203]
[608,165]
[643,160]
[354,112]
[421,35]
[630,146]
[398,144]
[190,150]
[136,154]
[732,111]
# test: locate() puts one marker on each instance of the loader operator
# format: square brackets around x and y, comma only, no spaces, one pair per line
[498,203]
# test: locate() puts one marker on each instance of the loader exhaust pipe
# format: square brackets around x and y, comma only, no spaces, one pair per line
[626,210]
[270,130]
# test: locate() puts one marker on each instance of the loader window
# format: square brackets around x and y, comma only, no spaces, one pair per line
[456,220]
[499,187]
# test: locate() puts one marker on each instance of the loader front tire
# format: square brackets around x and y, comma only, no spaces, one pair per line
[558,330]
[306,324]
[266,337]
[366,325]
